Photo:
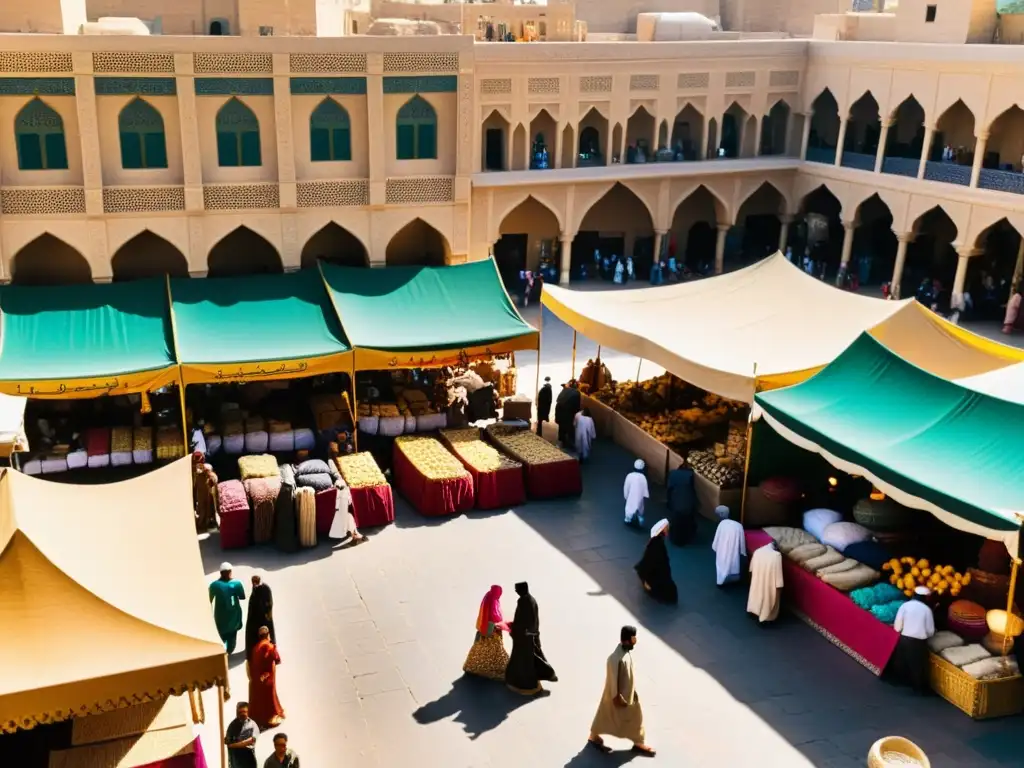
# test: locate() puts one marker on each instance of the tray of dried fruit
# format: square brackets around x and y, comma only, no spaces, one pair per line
[497,479]
[372,501]
[549,472]
[430,477]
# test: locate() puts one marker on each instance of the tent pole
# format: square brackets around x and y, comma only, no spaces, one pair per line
[1009,601]
[220,721]
[574,354]
[540,341]
[355,408]
[184,414]
[638,370]
[746,461]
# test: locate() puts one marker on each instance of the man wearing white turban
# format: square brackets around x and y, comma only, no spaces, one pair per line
[225,594]
[729,545]
[635,491]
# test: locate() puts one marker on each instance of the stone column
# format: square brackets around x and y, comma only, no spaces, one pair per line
[377,139]
[659,239]
[926,150]
[1018,270]
[723,231]
[89,133]
[565,258]
[841,141]
[786,219]
[758,133]
[608,148]
[844,260]
[622,144]
[527,149]
[704,136]
[964,254]
[188,124]
[979,155]
[285,140]
[896,285]
[806,136]
[559,131]
[880,153]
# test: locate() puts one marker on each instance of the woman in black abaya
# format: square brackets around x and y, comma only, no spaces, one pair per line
[261,614]
[654,568]
[527,665]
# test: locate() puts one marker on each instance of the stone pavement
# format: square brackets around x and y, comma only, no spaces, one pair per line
[373,640]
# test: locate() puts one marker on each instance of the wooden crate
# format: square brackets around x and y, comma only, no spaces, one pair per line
[981,699]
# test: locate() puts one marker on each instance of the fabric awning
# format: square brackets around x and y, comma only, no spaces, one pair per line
[1005,383]
[12,425]
[85,340]
[256,327]
[421,317]
[930,443]
[104,601]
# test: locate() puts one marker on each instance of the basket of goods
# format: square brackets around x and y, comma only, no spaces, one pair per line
[724,472]
[430,477]
[907,573]
[497,479]
[880,513]
[894,751]
[372,501]
[988,589]
[549,471]
[1003,629]
[142,445]
[967,619]
[170,443]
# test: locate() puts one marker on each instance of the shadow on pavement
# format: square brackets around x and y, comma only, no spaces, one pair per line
[478,705]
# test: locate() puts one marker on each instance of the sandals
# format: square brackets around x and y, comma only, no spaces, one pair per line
[600,746]
[643,749]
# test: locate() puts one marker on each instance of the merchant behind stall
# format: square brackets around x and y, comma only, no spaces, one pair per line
[682,504]
[567,405]
[916,624]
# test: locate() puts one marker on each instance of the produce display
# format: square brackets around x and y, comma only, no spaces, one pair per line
[723,471]
[525,446]
[907,573]
[467,444]
[360,470]
[430,458]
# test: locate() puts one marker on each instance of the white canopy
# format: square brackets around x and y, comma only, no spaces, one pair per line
[12,424]
[1005,383]
[713,332]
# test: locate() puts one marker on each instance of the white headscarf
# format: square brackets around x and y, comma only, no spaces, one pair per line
[659,526]
[722,511]
[922,590]
[639,465]
[225,567]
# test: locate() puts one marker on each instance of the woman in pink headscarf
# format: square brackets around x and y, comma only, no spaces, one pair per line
[488,657]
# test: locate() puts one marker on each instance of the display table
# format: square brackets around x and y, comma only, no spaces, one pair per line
[610,424]
[710,496]
[549,472]
[832,613]
[432,498]
[497,488]
[373,506]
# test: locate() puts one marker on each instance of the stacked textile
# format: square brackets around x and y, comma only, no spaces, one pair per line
[263,465]
[78,459]
[32,467]
[142,445]
[285,525]
[305,505]
[282,436]
[121,446]
[428,422]
[97,445]
[263,493]
[332,411]
[233,512]
[170,443]
[214,443]
[305,440]
[257,440]
[55,463]
[315,474]
[233,435]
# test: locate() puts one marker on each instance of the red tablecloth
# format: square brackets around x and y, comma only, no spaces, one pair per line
[326,507]
[833,613]
[431,497]
[549,481]
[373,506]
[497,489]
[196,760]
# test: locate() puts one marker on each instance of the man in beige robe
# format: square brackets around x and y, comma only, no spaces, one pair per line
[619,713]
[765,583]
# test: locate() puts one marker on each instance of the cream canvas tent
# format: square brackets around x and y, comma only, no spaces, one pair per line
[712,333]
[12,425]
[1005,383]
[102,596]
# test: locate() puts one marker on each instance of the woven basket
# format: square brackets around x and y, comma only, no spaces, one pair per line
[882,514]
[980,699]
[903,747]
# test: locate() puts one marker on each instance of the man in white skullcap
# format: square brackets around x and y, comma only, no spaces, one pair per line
[729,545]
[225,594]
[635,490]
[915,623]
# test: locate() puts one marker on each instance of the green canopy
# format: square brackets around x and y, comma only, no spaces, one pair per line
[428,313]
[84,340]
[926,441]
[269,326]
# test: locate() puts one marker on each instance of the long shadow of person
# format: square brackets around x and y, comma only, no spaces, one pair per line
[588,756]
[478,705]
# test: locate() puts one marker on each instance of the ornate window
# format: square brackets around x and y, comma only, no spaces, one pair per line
[143,141]
[238,136]
[39,132]
[330,134]
[416,130]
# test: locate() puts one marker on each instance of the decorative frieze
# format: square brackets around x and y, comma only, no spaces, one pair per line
[221,197]
[420,189]
[234,86]
[255,63]
[330,194]
[495,86]
[740,79]
[21,61]
[327,62]
[421,62]
[342,86]
[132,62]
[136,86]
[425,84]
[37,86]
[596,84]
[143,199]
[16,201]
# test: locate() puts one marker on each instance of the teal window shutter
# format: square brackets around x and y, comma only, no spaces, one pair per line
[319,145]
[238,135]
[406,142]
[416,130]
[143,141]
[39,132]
[251,148]
[30,152]
[155,147]
[56,152]
[131,150]
[426,142]
[329,132]
[341,144]
[227,149]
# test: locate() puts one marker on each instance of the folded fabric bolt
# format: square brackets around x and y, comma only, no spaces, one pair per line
[806,552]
[312,467]
[831,557]
[98,461]
[305,440]
[319,481]
[787,539]
[32,467]
[234,444]
[842,535]
[944,639]
[263,465]
[993,668]
[282,442]
[257,442]
[78,459]
[120,458]
[845,581]
[960,655]
[56,464]
[847,564]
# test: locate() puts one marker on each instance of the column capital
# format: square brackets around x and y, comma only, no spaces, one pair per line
[567,237]
[887,124]
[849,226]
[787,218]
[968,251]
[981,135]
[723,227]
[661,232]
[905,237]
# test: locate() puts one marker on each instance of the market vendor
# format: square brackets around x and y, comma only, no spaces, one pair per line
[567,405]
[915,623]
[682,504]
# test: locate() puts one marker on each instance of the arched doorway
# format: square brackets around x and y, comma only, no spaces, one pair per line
[992,274]
[774,129]
[824,134]
[687,141]
[819,235]
[336,245]
[493,148]
[1002,167]
[243,252]
[931,260]
[543,130]
[874,244]
[528,240]
[694,230]
[734,123]
[904,140]
[952,150]
[759,224]
[863,129]
[417,244]
[617,225]
[593,134]
[148,255]
[48,260]
[639,135]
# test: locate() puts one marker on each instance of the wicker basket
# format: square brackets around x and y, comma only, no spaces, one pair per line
[900,745]
[981,699]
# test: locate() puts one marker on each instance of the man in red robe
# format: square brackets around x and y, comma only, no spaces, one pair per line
[264,707]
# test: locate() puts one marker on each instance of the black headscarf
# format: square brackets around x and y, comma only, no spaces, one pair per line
[260,614]
[655,570]
[626,634]
[527,618]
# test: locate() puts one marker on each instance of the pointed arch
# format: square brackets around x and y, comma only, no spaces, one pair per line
[775,128]
[143,139]
[48,260]
[497,133]
[417,244]
[243,252]
[874,242]
[824,133]
[527,231]
[39,132]
[238,136]
[640,133]
[416,130]
[330,133]
[334,244]
[543,130]
[593,134]
[148,255]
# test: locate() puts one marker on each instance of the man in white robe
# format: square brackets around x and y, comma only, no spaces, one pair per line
[635,491]
[586,433]
[765,583]
[729,545]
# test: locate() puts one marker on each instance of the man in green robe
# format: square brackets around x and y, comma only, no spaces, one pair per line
[225,594]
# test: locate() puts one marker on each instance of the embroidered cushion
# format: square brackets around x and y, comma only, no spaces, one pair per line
[817,520]
[842,535]
[944,639]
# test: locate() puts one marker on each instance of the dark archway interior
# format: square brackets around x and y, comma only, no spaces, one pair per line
[417,244]
[336,245]
[48,260]
[148,255]
[243,252]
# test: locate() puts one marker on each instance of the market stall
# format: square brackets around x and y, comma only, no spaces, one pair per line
[548,471]
[92,360]
[147,638]
[919,444]
[13,438]
[497,479]
[431,478]
[372,501]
